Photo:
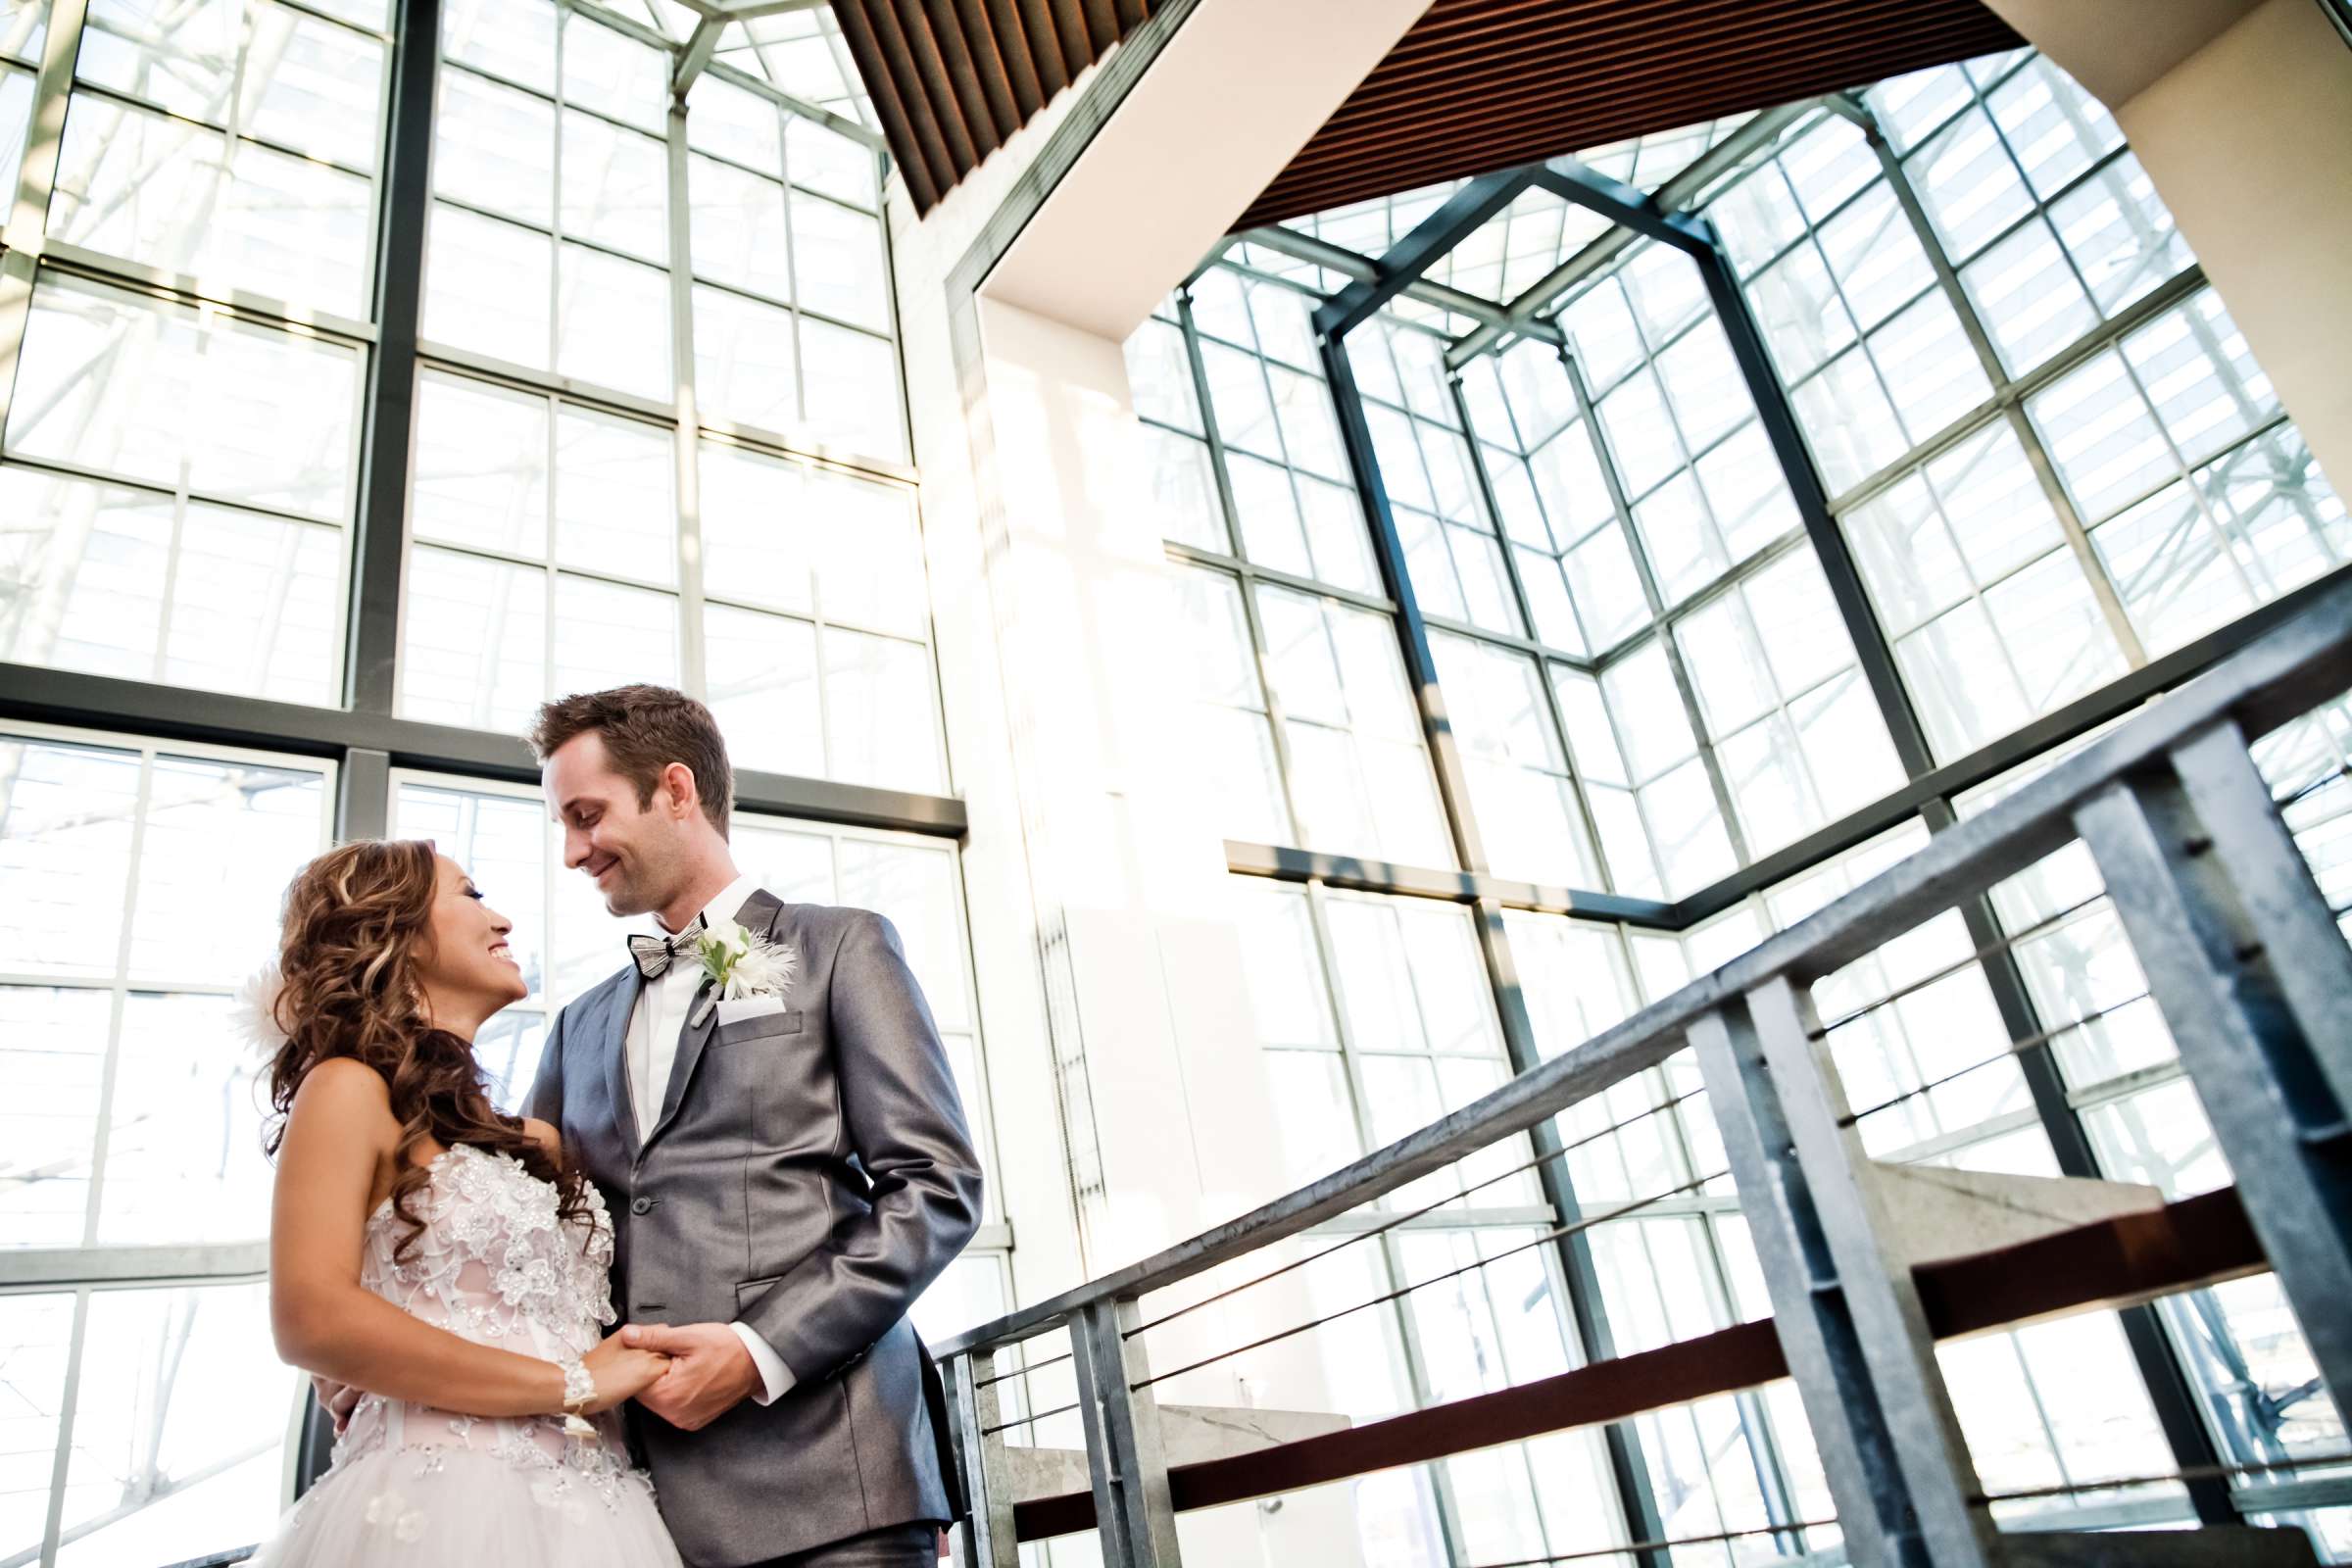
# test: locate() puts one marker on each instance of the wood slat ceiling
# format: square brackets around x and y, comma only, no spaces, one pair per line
[952,79]
[1478,86]
[1473,86]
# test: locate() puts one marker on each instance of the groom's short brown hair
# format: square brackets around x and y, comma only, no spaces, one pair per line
[644,729]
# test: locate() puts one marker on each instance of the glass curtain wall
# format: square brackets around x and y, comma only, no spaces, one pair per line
[2052,459]
[658,433]
[144,882]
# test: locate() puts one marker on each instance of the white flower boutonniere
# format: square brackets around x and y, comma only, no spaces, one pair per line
[740,965]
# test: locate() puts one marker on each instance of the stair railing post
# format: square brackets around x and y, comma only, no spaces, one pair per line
[984,1538]
[1844,1304]
[1134,1510]
[2250,974]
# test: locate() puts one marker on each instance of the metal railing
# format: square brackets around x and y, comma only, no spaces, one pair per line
[2244,961]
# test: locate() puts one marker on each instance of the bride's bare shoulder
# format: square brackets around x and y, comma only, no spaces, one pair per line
[342,1107]
[340,1090]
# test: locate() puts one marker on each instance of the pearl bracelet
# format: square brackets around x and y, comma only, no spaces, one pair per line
[580,1392]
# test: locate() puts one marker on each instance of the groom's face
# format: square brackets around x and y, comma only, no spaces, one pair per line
[633,853]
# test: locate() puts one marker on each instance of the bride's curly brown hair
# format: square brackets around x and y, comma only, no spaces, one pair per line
[358,924]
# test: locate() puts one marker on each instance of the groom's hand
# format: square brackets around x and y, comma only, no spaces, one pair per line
[710,1371]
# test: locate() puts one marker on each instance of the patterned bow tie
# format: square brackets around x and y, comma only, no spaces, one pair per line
[655,954]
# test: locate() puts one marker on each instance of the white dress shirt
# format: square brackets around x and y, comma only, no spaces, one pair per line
[652,1043]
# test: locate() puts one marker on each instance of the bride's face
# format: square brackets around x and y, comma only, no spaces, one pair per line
[466,954]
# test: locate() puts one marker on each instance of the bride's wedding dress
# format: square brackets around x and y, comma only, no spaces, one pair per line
[414,1485]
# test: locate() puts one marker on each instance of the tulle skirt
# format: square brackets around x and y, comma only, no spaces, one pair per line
[455,1506]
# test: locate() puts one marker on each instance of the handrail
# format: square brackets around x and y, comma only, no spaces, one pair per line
[2272,681]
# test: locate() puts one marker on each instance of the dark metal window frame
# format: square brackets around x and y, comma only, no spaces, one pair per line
[1930,789]
[364,734]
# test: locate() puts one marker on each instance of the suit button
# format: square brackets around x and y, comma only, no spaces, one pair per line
[641,1205]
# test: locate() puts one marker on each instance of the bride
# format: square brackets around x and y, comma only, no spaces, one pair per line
[439,1261]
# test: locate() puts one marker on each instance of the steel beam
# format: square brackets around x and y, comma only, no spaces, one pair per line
[102,702]
[1463,213]
[364,793]
[1332,258]
[1777,416]
[1525,312]
[1621,204]
[1588,1316]
[694,57]
[1284,863]
[371,631]
[1387,549]
[1472,206]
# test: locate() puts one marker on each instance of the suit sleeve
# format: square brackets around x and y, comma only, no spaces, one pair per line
[547,1088]
[906,1125]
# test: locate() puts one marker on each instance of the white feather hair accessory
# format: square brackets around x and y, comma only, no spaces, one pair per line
[253,1011]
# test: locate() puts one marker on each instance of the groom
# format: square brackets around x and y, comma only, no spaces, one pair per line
[785,1171]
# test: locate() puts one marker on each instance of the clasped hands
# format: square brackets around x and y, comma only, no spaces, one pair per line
[689,1375]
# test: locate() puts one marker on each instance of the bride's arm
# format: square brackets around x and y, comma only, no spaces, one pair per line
[339,1128]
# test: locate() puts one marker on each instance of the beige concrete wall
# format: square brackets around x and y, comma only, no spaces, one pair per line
[1068,727]
[1239,89]
[2242,115]
[1033,1176]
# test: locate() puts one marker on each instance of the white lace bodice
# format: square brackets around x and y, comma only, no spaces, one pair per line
[494,1265]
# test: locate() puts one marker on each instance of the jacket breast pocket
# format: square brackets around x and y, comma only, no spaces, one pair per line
[760,1026]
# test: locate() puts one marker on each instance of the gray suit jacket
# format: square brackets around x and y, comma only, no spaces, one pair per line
[808,1175]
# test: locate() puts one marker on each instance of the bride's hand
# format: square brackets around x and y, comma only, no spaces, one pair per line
[621,1373]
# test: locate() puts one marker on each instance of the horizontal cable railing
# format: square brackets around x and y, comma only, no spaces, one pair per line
[2243,962]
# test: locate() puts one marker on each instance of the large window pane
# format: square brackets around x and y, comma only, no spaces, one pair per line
[190,201]
[146,885]
[1359,776]
[1527,810]
[119,385]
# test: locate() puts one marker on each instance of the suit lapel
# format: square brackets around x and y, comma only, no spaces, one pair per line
[613,1043]
[759,913]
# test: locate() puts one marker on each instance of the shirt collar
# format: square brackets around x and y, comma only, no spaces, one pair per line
[726,907]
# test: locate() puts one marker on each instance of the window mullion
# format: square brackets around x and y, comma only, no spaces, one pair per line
[693,647]
[28,220]
[101,1132]
[1245,582]
[372,623]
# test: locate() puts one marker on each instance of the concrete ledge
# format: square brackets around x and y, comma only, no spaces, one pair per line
[1934,1213]
[1189,1434]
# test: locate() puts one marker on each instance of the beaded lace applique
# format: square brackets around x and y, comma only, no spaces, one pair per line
[493,1264]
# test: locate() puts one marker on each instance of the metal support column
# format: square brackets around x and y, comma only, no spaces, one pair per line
[1631,1473]
[1846,1308]
[983,1537]
[363,795]
[2227,924]
[372,638]
[1587,1317]
[2167,1385]
[1135,1515]
[1387,549]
